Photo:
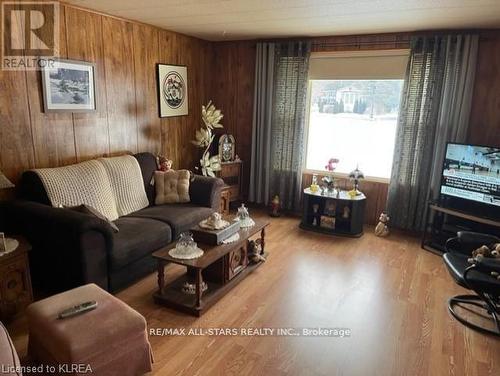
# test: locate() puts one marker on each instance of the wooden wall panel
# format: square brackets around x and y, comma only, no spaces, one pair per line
[485,115]
[177,132]
[171,127]
[125,54]
[146,55]
[16,142]
[53,133]
[120,85]
[84,39]
[246,63]
[233,93]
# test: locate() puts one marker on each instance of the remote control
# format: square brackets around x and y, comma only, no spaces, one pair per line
[78,309]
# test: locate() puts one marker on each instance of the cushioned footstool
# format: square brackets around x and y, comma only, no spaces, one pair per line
[112,339]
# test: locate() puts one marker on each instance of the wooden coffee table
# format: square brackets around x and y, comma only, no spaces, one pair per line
[221,267]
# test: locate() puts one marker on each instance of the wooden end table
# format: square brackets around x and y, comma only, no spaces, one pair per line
[221,267]
[15,281]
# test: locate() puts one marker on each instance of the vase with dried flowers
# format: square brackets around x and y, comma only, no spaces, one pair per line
[211,117]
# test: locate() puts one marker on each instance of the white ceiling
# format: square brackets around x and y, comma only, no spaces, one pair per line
[246,19]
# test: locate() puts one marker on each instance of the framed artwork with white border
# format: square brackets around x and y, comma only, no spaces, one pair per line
[172,90]
[69,86]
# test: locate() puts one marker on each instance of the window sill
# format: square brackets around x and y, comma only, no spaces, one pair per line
[341,175]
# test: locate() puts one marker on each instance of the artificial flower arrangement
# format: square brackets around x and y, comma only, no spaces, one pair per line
[211,117]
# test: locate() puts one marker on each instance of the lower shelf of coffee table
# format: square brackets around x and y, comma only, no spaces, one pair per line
[173,297]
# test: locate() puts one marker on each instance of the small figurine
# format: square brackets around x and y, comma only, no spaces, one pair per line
[329,182]
[275,207]
[314,184]
[382,229]
[356,175]
[164,164]
[255,253]
[332,164]
[346,212]
[244,217]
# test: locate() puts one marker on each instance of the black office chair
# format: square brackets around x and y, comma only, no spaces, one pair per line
[476,277]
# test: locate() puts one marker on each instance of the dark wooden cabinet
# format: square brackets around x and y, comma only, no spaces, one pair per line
[15,281]
[225,197]
[237,260]
[333,214]
[231,174]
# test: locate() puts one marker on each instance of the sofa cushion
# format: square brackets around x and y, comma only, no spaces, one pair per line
[83,183]
[86,209]
[137,238]
[126,183]
[172,186]
[180,217]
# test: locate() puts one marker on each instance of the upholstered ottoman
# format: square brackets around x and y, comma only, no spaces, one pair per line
[110,340]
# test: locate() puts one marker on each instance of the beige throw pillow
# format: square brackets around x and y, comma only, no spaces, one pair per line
[172,186]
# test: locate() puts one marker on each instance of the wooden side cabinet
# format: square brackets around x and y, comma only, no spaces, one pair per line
[15,281]
[225,197]
[231,174]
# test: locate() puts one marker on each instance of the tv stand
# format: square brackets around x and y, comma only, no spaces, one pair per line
[443,223]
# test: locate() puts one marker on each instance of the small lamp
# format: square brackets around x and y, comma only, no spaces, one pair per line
[356,175]
[4,182]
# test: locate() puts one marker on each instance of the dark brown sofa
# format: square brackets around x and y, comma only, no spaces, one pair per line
[71,248]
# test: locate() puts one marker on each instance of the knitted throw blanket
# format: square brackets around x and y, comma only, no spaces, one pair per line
[83,183]
[126,183]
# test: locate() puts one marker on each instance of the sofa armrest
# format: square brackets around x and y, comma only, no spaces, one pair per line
[69,248]
[206,191]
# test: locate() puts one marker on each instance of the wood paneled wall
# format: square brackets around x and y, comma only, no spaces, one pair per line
[233,89]
[125,55]
[485,115]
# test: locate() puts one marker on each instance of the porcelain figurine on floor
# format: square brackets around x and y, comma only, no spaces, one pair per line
[275,207]
[382,229]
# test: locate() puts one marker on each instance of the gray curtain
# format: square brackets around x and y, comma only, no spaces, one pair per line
[260,171]
[278,136]
[435,108]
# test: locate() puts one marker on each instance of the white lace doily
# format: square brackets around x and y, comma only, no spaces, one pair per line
[181,253]
[231,239]
[11,245]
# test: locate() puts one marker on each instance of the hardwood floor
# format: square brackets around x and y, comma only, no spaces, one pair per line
[388,291]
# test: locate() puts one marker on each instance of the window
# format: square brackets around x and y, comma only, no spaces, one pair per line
[354,118]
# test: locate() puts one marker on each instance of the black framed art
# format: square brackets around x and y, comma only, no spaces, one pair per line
[172,90]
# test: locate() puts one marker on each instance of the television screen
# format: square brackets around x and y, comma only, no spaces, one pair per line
[472,173]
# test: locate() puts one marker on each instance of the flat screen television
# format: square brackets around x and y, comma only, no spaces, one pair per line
[471,178]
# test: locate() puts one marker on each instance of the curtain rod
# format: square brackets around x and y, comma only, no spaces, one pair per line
[360,43]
